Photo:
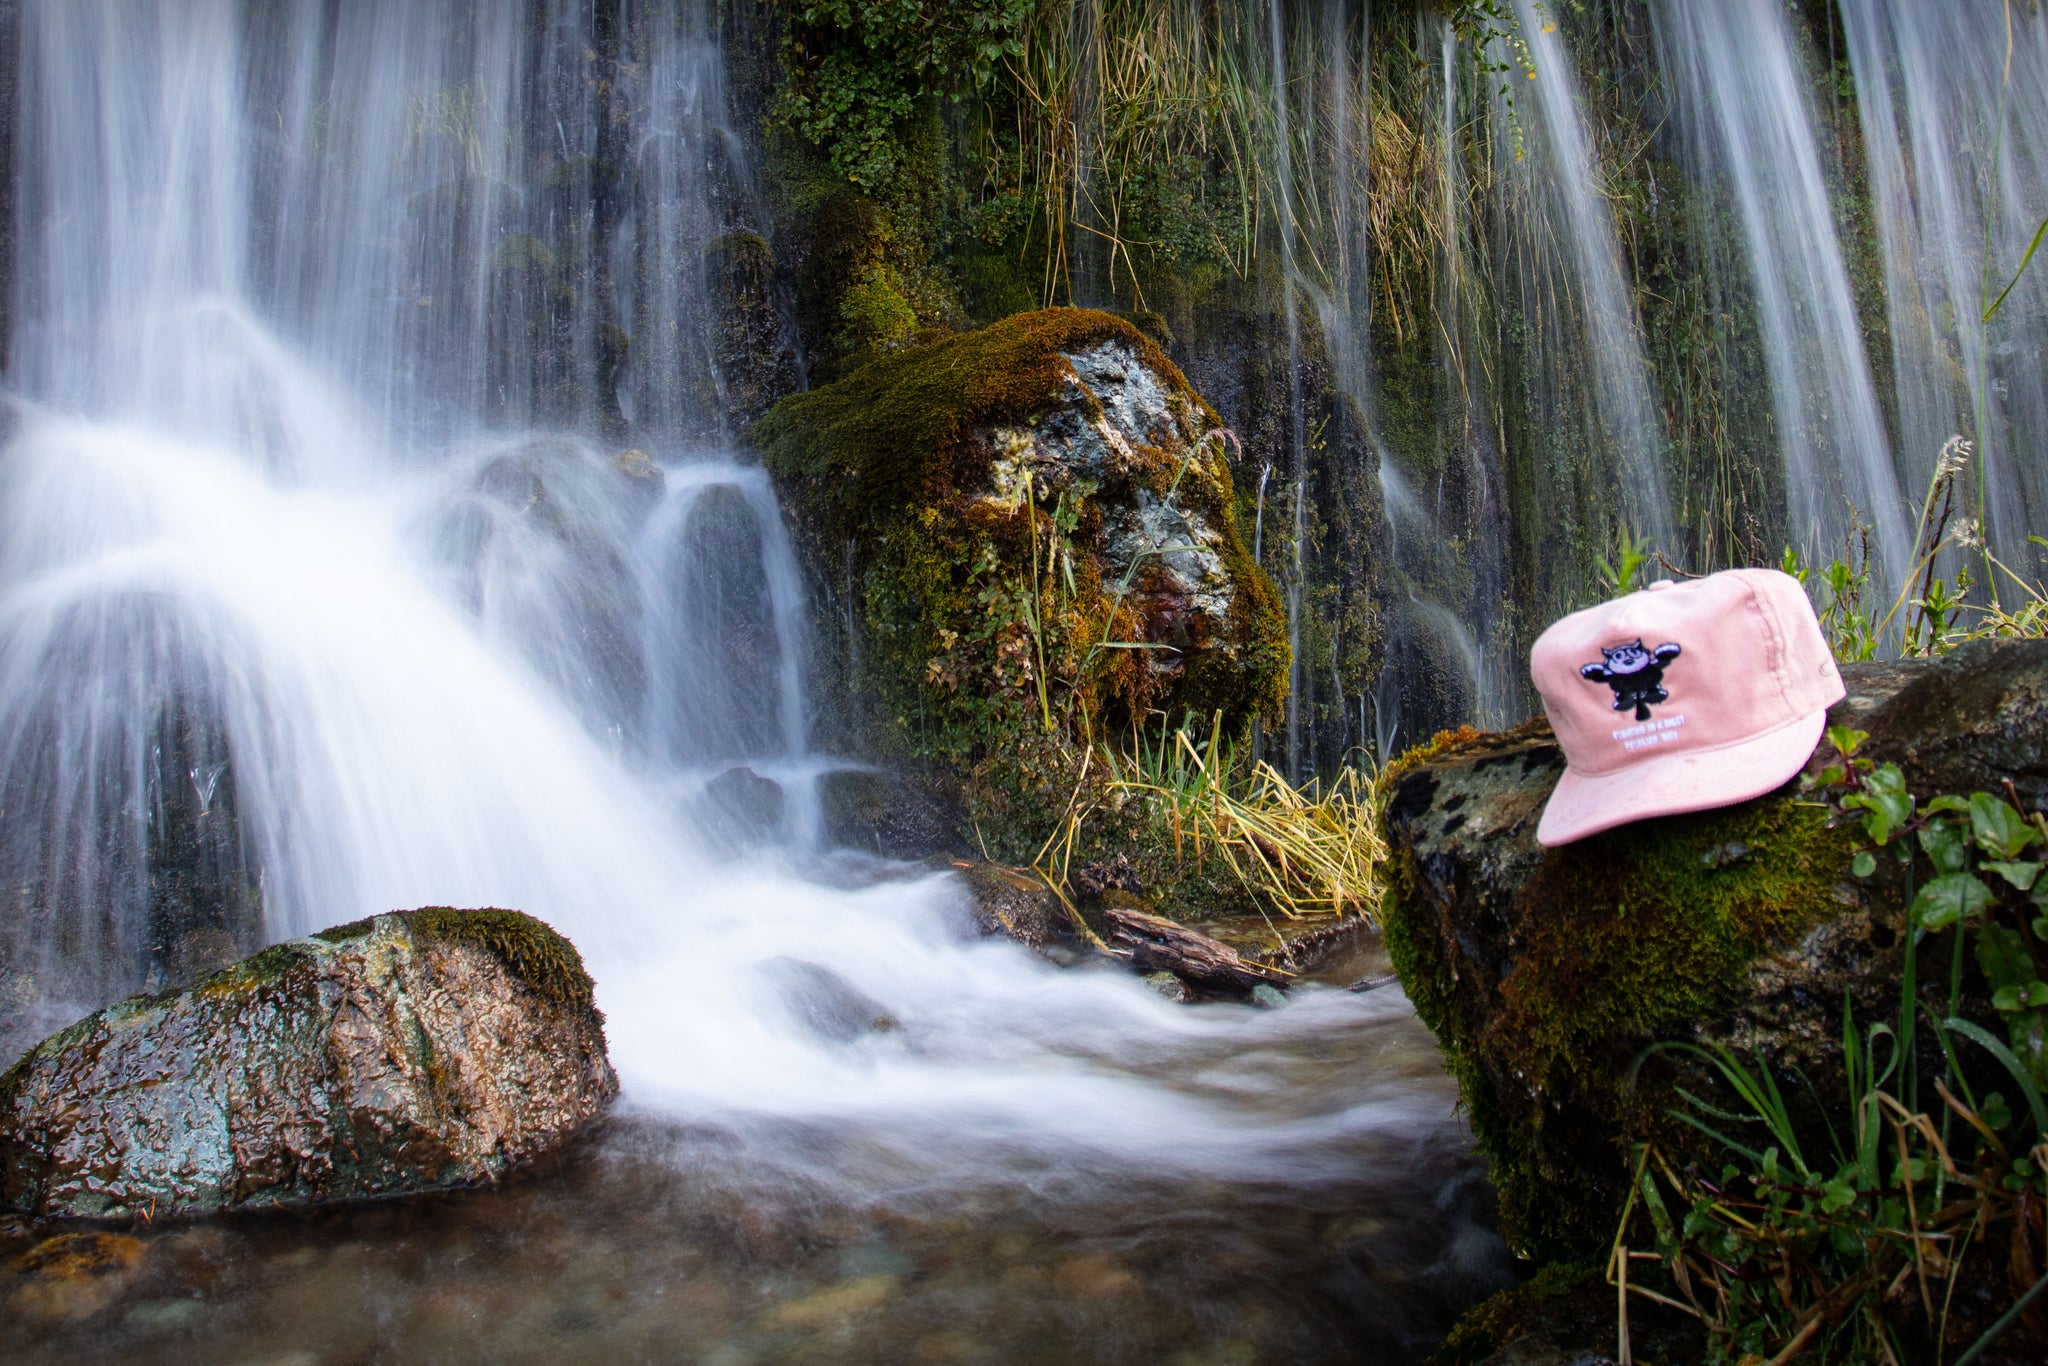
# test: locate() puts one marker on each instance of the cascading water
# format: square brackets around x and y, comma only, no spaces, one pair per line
[1739,87]
[1557,172]
[317,599]
[1297,422]
[1954,106]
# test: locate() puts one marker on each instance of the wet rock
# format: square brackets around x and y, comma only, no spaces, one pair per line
[1564,1316]
[539,548]
[641,478]
[1171,987]
[1104,875]
[412,1051]
[754,349]
[71,1276]
[1014,902]
[928,484]
[884,813]
[743,807]
[826,1003]
[1546,973]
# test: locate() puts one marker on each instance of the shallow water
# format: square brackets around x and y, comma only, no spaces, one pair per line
[770,1239]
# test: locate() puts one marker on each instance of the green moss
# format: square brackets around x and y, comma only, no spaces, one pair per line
[887,474]
[253,973]
[740,250]
[525,253]
[874,316]
[994,285]
[532,950]
[1505,1317]
[885,440]
[1619,941]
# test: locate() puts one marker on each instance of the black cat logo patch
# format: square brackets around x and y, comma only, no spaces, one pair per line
[1635,674]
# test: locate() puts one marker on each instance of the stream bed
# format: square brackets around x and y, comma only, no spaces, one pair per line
[772,1239]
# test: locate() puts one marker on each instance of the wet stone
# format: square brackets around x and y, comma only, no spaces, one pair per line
[1544,973]
[412,1051]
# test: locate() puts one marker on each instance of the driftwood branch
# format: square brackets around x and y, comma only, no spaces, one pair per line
[1155,944]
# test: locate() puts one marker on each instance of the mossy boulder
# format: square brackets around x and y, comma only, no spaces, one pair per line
[1022,536]
[413,1051]
[1546,974]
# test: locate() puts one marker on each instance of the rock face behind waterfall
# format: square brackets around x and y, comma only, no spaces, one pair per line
[1041,502]
[413,1051]
[1545,974]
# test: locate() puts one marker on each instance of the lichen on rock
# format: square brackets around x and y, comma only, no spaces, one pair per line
[411,1051]
[1023,535]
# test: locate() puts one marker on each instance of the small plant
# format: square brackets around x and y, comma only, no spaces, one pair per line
[1855,1255]
[1632,556]
[1931,614]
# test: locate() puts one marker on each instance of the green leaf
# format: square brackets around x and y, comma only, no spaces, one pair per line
[1948,899]
[1847,740]
[2020,875]
[1837,1195]
[1994,1111]
[1885,799]
[1864,864]
[2001,831]
[2006,998]
[2034,994]
[1832,776]
[2012,1064]
[1945,846]
[2003,956]
[2019,270]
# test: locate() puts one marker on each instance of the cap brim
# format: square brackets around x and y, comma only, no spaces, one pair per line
[1673,784]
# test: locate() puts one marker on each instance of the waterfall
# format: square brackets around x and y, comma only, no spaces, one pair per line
[1559,171]
[325,589]
[1955,153]
[1739,86]
[1297,422]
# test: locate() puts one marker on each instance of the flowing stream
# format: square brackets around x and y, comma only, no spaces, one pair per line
[322,594]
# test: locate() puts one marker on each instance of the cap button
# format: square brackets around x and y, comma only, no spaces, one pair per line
[1662,584]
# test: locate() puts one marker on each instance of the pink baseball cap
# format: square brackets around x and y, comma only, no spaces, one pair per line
[1683,697]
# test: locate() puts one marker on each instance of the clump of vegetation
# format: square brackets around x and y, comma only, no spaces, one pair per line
[1931,613]
[1920,1226]
[857,70]
[1306,852]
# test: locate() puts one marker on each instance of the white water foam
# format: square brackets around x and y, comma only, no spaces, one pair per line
[253,513]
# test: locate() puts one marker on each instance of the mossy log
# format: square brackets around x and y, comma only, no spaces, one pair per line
[413,1051]
[1545,974]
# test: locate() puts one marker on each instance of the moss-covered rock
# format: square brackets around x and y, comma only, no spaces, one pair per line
[412,1051]
[753,353]
[1024,536]
[1545,974]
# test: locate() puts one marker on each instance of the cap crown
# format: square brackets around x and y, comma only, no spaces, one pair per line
[1683,668]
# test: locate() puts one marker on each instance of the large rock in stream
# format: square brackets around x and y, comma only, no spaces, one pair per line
[1547,973]
[1014,534]
[413,1051]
